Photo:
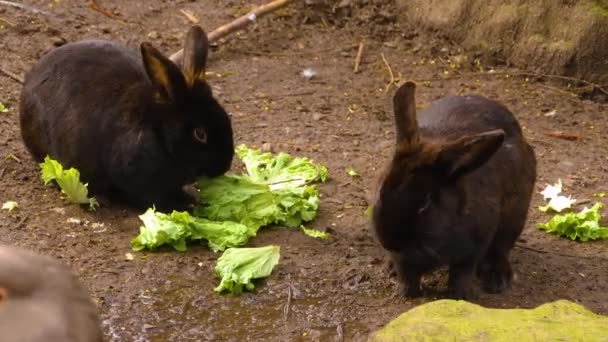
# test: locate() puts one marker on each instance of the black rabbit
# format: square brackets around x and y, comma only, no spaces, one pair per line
[42,300]
[136,127]
[456,193]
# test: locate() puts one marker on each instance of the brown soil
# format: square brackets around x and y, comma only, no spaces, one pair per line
[338,288]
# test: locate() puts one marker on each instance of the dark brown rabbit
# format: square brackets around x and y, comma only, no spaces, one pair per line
[136,126]
[41,300]
[456,193]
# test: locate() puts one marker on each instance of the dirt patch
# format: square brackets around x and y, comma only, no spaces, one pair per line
[339,287]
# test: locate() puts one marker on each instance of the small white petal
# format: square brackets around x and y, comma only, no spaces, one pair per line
[10,205]
[552,191]
[559,203]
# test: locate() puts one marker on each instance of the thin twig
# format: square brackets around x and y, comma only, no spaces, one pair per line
[562,135]
[358,58]
[237,24]
[21,222]
[519,74]
[8,22]
[259,97]
[190,16]
[295,53]
[390,73]
[560,254]
[95,7]
[24,7]
[13,157]
[286,181]
[287,307]
[12,75]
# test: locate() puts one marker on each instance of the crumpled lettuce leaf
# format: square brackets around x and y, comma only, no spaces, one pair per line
[3,108]
[273,191]
[280,171]
[317,234]
[232,208]
[237,267]
[239,199]
[68,181]
[178,228]
[582,226]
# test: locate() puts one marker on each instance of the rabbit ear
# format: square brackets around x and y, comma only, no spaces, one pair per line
[195,55]
[404,104]
[164,74]
[470,152]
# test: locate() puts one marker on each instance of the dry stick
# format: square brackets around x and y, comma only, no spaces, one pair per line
[390,72]
[24,7]
[6,21]
[532,74]
[95,7]
[190,16]
[237,24]
[12,75]
[358,58]
[562,135]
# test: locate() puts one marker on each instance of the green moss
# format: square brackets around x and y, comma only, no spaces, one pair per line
[450,320]
[600,7]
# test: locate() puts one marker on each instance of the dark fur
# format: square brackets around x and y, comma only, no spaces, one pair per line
[41,300]
[456,193]
[126,121]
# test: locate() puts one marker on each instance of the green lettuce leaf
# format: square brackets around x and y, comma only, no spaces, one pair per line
[178,228]
[582,226]
[274,191]
[237,267]
[239,199]
[3,109]
[351,172]
[280,171]
[317,234]
[68,181]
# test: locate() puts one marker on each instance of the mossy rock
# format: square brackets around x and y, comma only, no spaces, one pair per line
[450,320]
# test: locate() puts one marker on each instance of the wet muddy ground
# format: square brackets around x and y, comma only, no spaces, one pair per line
[321,290]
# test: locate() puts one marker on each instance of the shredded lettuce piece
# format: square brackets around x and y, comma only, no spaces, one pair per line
[351,172]
[177,228]
[68,181]
[3,108]
[582,226]
[317,234]
[237,267]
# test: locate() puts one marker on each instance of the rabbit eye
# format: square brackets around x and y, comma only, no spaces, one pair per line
[200,135]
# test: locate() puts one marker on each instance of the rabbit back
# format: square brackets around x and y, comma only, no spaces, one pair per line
[76,97]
